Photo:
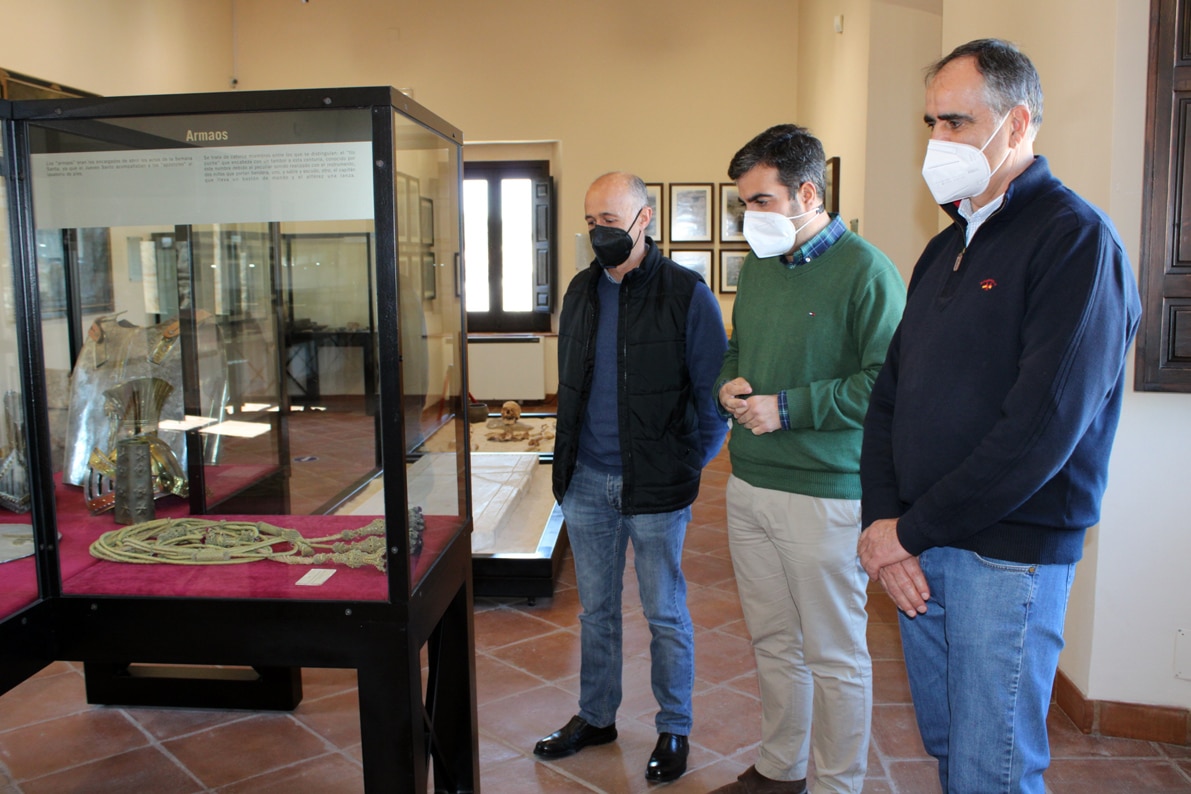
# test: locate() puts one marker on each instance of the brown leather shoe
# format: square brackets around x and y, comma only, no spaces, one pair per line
[573,737]
[753,782]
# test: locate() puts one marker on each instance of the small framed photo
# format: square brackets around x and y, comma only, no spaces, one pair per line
[730,264]
[654,230]
[690,213]
[831,195]
[731,214]
[696,259]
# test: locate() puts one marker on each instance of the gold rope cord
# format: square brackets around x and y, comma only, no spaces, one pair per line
[199,541]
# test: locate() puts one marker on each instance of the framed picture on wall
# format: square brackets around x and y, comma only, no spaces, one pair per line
[831,195]
[401,190]
[731,214]
[411,212]
[406,275]
[654,229]
[730,264]
[429,276]
[690,212]
[427,220]
[696,259]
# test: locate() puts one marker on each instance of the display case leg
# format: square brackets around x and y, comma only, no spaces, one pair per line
[392,730]
[451,706]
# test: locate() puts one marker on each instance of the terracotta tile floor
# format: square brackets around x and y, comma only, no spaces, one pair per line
[527,663]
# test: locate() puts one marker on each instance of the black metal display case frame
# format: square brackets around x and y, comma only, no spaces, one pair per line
[405,727]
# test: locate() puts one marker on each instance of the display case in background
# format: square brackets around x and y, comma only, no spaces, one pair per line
[17,86]
[246,323]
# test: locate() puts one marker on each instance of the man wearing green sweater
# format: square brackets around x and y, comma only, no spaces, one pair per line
[815,309]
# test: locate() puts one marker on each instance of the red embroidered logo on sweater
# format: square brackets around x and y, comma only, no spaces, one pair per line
[988,284]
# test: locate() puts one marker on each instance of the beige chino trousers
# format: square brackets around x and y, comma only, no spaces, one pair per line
[803,594]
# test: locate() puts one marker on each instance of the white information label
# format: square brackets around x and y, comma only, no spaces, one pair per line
[228,184]
[316,576]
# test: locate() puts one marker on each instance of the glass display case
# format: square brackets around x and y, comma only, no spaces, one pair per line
[246,322]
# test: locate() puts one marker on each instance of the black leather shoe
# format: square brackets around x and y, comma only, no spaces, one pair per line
[573,737]
[668,761]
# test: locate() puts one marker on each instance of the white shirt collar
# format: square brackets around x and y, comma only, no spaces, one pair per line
[976,218]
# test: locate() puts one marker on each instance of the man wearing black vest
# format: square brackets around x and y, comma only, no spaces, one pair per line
[639,347]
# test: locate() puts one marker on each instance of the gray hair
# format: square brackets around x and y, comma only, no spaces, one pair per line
[1010,78]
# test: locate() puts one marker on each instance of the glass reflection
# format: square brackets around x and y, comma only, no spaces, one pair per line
[18,581]
[431,332]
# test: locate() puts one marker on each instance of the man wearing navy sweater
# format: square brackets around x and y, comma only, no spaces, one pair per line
[987,440]
[640,340]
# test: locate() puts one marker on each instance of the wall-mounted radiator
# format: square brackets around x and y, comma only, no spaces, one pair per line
[507,367]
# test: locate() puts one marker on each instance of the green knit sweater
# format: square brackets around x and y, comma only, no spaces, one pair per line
[818,331]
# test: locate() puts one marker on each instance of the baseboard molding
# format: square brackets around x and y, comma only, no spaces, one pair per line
[1123,720]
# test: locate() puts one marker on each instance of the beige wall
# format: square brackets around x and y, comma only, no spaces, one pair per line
[620,85]
[120,46]
[670,89]
[905,39]
[833,88]
[860,90]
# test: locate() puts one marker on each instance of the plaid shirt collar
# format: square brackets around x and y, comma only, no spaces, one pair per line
[817,245]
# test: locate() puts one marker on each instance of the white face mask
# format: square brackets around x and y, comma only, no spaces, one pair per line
[955,171]
[771,233]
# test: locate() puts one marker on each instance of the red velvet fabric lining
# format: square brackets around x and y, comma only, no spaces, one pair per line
[82,574]
[18,583]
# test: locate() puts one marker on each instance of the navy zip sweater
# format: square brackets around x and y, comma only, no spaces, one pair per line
[991,423]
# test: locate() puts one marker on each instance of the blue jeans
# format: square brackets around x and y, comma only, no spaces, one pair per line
[981,664]
[599,536]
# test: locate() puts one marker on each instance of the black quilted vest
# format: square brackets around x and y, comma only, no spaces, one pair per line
[659,427]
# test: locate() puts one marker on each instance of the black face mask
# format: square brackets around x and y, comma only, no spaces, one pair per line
[611,245]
